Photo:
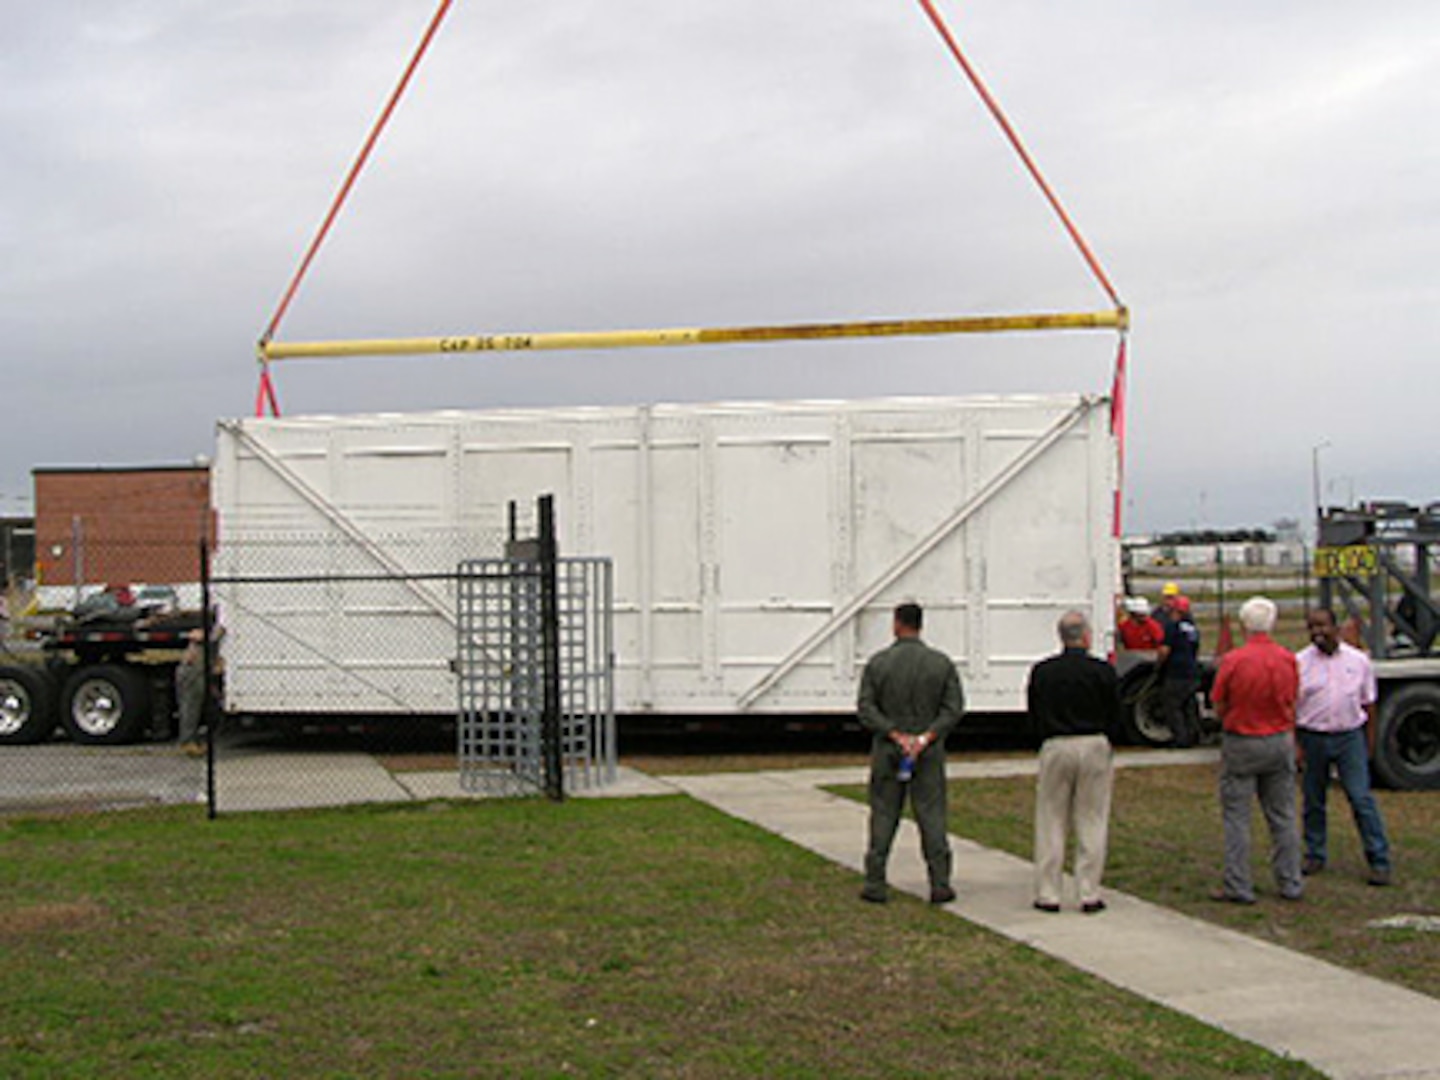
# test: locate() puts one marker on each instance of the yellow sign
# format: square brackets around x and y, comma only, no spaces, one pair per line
[1357,560]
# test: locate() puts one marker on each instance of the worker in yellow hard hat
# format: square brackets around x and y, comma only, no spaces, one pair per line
[1170,595]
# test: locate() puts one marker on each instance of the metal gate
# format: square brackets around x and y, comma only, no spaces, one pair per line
[535,667]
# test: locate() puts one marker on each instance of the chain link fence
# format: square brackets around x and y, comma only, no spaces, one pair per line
[89,663]
[335,666]
[1218,581]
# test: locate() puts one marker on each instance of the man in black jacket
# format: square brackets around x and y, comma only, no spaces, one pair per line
[1074,701]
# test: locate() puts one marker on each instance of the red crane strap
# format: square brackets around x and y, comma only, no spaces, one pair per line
[1026,159]
[267,389]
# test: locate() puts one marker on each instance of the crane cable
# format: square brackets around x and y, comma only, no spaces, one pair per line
[1117,391]
[266,394]
[1000,118]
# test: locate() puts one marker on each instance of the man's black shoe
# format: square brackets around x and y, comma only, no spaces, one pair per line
[1311,866]
[874,896]
[1093,907]
[1048,908]
[1379,876]
[942,894]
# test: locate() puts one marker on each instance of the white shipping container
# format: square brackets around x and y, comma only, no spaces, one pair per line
[758,548]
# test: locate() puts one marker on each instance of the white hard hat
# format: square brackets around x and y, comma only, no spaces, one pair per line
[1137,605]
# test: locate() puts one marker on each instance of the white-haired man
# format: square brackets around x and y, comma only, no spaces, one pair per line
[1074,701]
[1254,694]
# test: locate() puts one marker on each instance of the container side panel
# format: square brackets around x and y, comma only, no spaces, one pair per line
[904,488]
[774,522]
[494,475]
[675,533]
[385,484]
[616,509]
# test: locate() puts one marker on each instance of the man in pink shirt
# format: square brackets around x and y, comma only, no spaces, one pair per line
[1254,694]
[1333,716]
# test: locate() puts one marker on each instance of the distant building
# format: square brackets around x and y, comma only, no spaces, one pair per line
[1278,548]
[123,525]
[17,551]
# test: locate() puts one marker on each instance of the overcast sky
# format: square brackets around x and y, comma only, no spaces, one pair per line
[1260,181]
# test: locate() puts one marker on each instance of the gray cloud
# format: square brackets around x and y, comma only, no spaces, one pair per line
[1260,183]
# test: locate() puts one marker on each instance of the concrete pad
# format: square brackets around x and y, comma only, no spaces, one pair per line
[302,781]
[444,784]
[629,783]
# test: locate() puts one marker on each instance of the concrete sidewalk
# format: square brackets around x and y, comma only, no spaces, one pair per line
[1342,1023]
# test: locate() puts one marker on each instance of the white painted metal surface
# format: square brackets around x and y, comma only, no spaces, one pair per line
[758,547]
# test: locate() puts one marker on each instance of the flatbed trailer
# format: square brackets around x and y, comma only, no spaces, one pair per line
[103,683]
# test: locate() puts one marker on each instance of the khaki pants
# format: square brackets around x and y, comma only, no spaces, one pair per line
[1072,792]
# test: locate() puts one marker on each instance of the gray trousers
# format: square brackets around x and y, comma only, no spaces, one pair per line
[1264,766]
[190,697]
[928,797]
[1072,790]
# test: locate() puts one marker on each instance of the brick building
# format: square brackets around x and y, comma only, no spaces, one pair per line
[107,524]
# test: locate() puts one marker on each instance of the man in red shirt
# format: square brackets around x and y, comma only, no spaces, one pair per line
[1139,630]
[1254,694]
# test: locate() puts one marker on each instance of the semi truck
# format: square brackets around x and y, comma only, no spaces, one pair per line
[105,680]
[1375,564]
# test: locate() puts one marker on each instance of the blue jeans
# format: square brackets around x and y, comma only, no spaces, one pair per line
[1347,750]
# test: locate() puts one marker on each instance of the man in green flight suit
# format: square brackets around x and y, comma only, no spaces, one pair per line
[910,700]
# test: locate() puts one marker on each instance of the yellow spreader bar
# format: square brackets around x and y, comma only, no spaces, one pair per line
[1118,319]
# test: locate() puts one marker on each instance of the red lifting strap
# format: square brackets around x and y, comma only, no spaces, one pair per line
[1117,390]
[1117,429]
[1029,162]
[267,389]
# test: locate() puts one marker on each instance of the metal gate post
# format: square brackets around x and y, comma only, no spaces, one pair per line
[209,712]
[551,750]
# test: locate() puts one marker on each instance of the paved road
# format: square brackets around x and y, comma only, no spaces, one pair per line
[61,775]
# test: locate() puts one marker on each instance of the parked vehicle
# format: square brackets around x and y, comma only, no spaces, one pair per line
[104,680]
[1374,562]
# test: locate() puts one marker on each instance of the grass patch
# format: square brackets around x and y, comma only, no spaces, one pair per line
[1166,846]
[647,937]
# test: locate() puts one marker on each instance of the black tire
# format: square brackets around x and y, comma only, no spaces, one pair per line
[1142,708]
[27,706]
[1407,740]
[105,705]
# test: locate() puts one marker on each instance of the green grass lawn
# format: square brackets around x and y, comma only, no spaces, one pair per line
[1165,846]
[647,937]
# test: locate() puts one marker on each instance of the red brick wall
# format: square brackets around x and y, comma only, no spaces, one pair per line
[134,525]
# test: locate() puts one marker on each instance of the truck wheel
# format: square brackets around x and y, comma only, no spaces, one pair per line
[1407,742]
[105,704]
[1142,709]
[27,706]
